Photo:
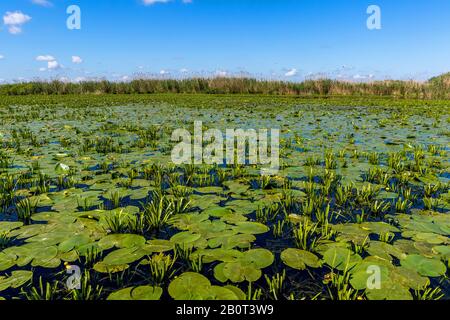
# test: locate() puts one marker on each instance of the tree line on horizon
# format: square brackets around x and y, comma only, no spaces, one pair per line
[435,88]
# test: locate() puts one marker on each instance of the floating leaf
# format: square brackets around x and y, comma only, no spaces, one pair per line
[341,258]
[16,280]
[137,293]
[299,259]
[194,286]
[424,266]
[251,228]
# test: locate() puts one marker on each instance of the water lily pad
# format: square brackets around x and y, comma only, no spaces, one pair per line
[424,266]
[299,259]
[251,228]
[240,271]
[232,241]
[389,291]
[137,293]
[124,256]
[185,238]
[194,286]
[6,226]
[246,267]
[16,280]
[158,245]
[341,258]
[74,242]
[121,241]
[106,268]
[385,251]
[218,212]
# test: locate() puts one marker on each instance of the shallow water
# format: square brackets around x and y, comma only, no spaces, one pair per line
[125,151]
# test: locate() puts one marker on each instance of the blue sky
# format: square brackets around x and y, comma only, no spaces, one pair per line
[279,39]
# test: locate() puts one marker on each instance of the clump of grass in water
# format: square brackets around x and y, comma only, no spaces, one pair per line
[87,291]
[276,285]
[161,268]
[428,293]
[43,291]
[5,240]
[25,209]
[159,212]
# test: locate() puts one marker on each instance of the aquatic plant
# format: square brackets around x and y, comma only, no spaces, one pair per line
[158,212]
[25,209]
[276,285]
[87,291]
[161,268]
[43,291]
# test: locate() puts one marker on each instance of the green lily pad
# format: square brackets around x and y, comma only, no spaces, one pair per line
[16,280]
[6,226]
[121,241]
[124,256]
[251,228]
[299,259]
[184,238]
[424,266]
[194,286]
[245,267]
[137,293]
[240,271]
[341,258]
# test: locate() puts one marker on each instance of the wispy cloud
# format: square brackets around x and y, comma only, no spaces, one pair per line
[221,73]
[15,20]
[2,57]
[152,2]
[45,58]
[291,73]
[43,3]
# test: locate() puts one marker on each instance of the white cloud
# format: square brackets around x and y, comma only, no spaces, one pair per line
[76,59]
[184,70]
[2,57]
[53,65]
[15,20]
[15,30]
[220,73]
[80,79]
[45,58]
[164,72]
[44,3]
[151,2]
[363,77]
[291,73]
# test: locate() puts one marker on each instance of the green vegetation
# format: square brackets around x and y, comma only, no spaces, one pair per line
[436,88]
[87,181]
